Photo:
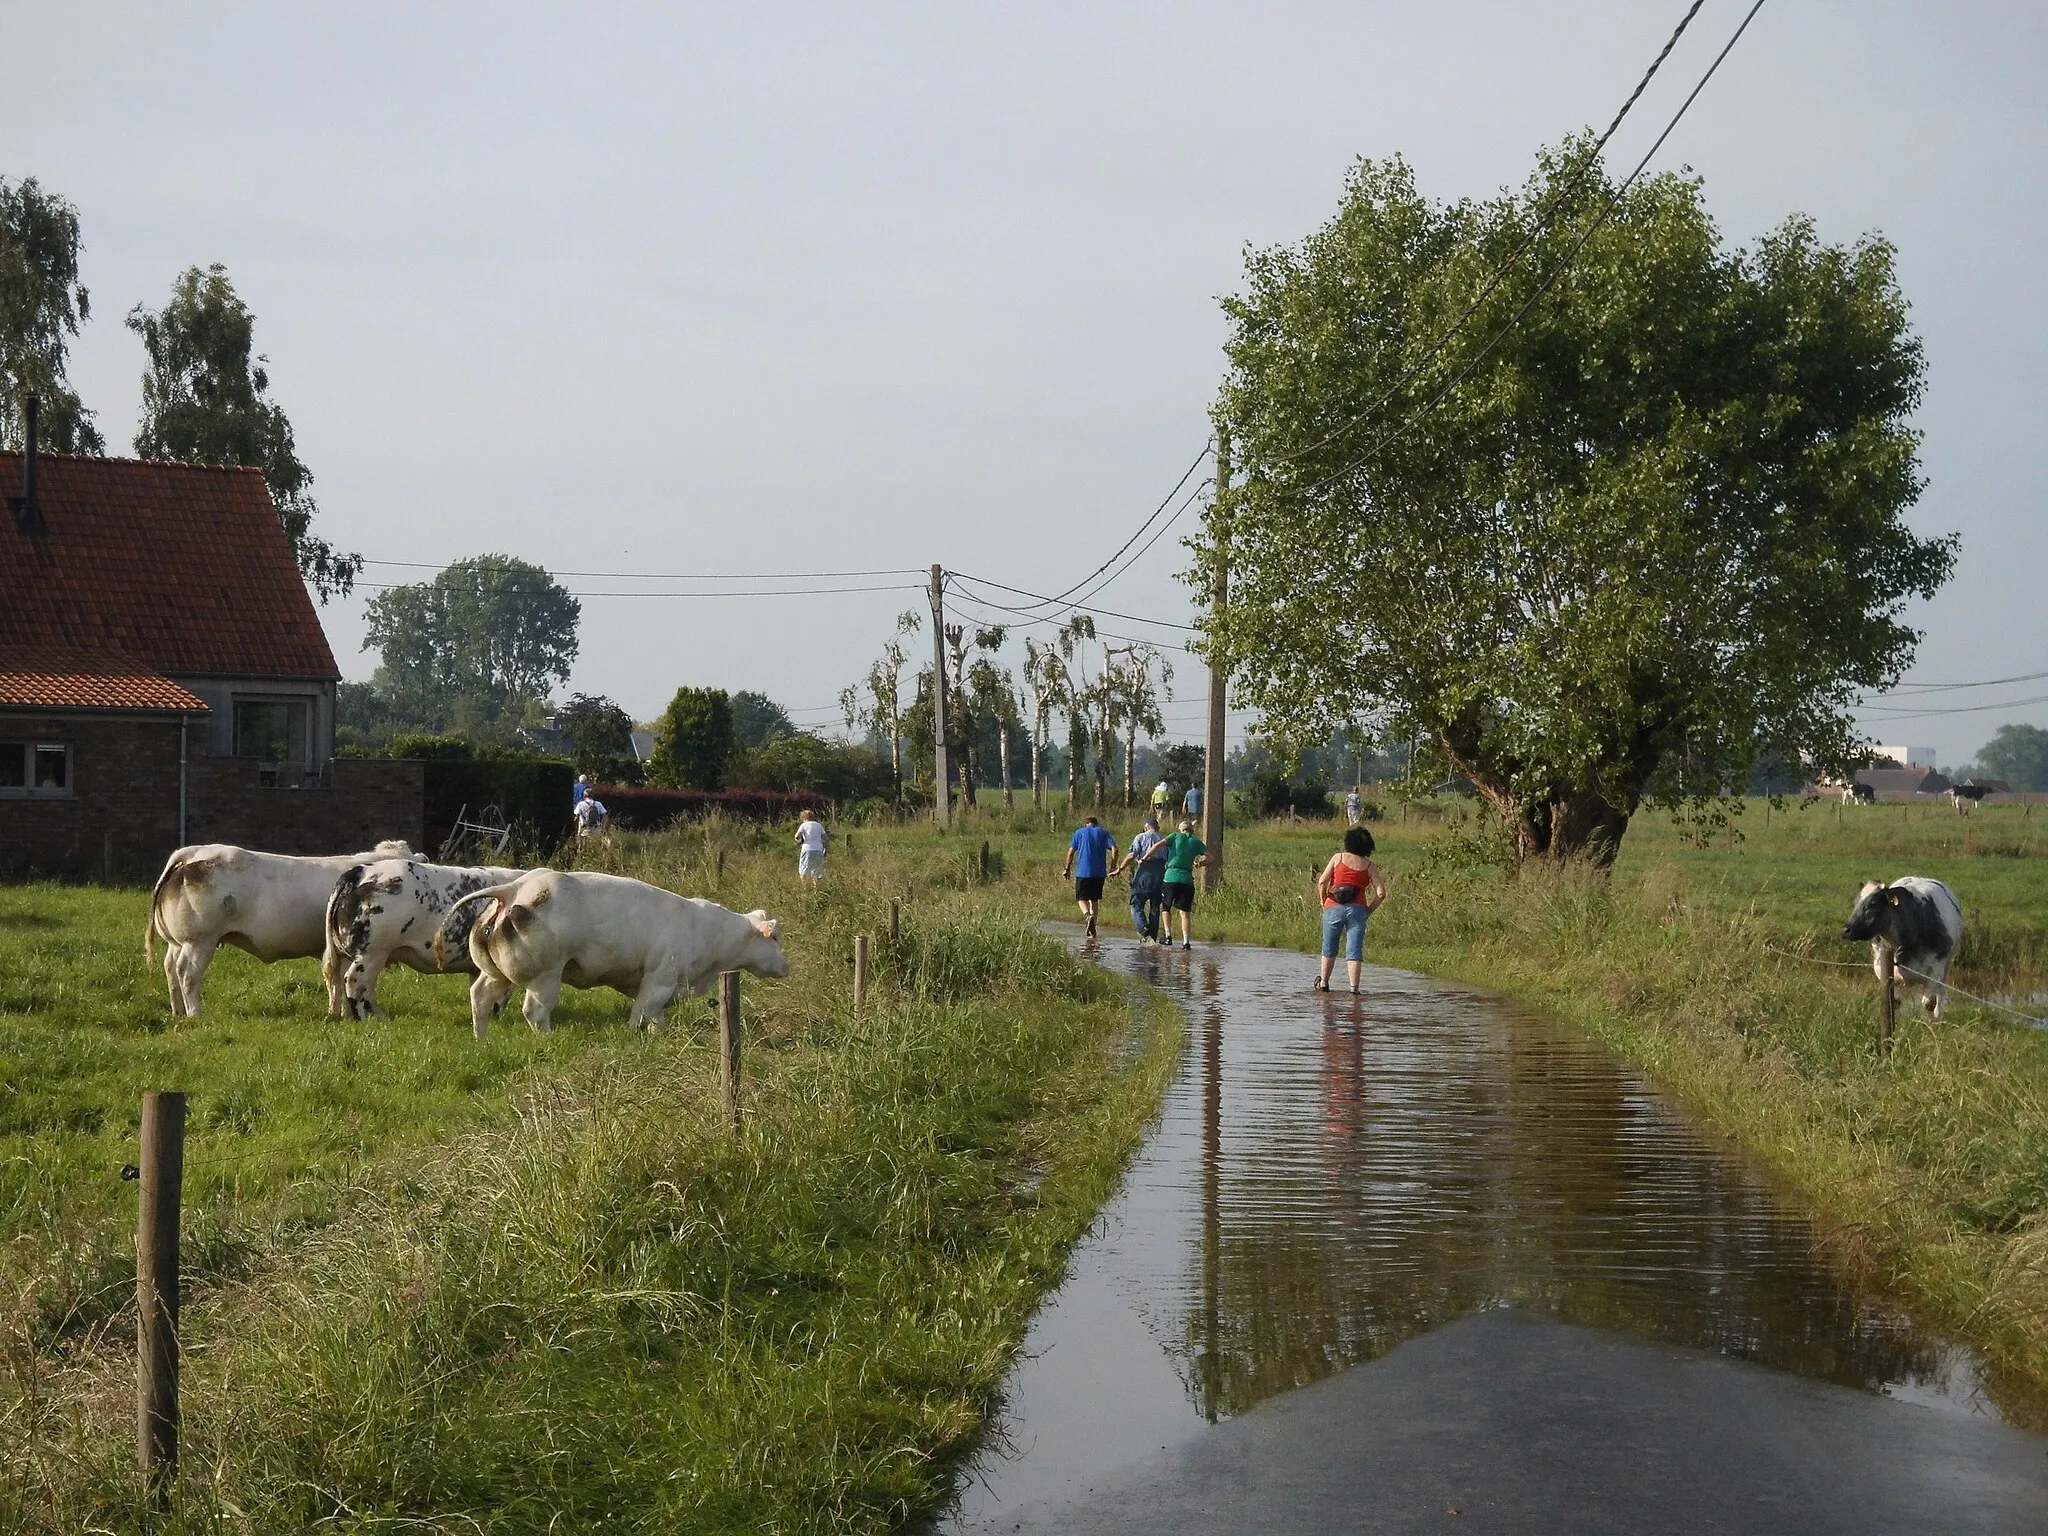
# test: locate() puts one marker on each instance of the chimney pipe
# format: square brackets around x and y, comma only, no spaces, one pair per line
[27,514]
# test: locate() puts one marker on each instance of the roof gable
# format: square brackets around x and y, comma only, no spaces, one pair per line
[48,678]
[182,567]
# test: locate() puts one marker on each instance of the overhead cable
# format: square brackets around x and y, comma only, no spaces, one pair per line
[906,570]
[1135,618]
[386,586]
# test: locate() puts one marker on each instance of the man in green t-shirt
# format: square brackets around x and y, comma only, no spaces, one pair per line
[1185,853]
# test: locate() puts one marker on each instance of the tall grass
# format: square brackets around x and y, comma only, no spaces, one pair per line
[587,1307]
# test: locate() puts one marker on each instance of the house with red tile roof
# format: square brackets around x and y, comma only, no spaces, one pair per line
[161,663]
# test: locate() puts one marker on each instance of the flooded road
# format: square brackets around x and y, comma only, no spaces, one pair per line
[1334,1177]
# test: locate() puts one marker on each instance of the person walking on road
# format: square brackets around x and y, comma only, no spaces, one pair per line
[1351,891]
[1088,854]
[1146,861]
[811,837]
[1185,853]
[1354,808]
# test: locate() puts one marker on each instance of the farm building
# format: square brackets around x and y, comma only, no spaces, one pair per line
[164,677]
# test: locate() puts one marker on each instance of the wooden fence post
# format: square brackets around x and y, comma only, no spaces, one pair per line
[729,1046]
[1890,1010]
[895,922]
[860,970]
[156,1291]
[721,864]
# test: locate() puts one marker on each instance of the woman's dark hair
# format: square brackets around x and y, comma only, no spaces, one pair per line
[1358,843]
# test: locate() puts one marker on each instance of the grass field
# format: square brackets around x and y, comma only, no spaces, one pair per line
[532,1284]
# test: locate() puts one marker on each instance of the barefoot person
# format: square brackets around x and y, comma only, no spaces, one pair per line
[1185,853]
[810,849]
[1088,854]
[1351,891]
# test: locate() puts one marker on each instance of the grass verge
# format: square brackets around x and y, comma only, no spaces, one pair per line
[575,1303]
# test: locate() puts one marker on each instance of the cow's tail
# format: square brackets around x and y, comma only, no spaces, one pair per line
[153,929]
[448,923]
[344,905]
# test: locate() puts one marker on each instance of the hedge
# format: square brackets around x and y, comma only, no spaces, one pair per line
[645,809]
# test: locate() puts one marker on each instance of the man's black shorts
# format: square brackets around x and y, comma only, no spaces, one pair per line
[1088,888]
[1177,897]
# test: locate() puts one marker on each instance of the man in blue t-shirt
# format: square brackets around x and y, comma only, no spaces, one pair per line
[1191,802]
[1088,856]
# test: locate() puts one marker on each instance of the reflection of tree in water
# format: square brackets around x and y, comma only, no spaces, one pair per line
[1435,1157]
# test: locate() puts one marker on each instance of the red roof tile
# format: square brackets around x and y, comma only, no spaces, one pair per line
[50,678]
[183,568]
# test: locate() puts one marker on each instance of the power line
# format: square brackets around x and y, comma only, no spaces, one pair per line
[385,586]
[1135,618]
[1127,543]
[1958,709]
[1559,203]
[907,570]
[1414,418]
[1989,682]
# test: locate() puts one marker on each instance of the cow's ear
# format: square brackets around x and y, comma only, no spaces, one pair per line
[764,925]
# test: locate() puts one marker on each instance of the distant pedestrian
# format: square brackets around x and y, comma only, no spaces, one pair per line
[1354,808]
[590,814]
[1351,891]
[1191,803]
[1162,798]
[1147,864]
[1185,853]
[811,837]
[579,790]
[1088,854]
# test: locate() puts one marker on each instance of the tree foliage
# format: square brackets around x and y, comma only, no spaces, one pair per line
[205,400]
[490,630]
[693,741]
[600,736]
[2018,754]
[758,719]
[41,304]
[1605,555]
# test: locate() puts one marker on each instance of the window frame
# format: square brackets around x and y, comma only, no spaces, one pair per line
[302,748]
[31,748]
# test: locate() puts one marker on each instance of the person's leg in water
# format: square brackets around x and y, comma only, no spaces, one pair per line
[1354,951]
[1331,927]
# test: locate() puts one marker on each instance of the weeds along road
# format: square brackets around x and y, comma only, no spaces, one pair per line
[1423,1260]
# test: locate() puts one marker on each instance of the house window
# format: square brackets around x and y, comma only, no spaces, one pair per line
[35,768]
[272,730]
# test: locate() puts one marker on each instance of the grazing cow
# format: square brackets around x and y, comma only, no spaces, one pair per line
[1919,921]
[389,912]
[1966,796]
[273,905]
[1858,794]
[551,926]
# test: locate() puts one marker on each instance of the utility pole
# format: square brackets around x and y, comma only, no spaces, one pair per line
[1212,766]
[942,798]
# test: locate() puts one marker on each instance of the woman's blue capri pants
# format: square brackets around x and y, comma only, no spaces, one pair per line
[1348,924]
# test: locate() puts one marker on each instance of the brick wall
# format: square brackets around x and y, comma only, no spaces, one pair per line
[121,819]
[362,802]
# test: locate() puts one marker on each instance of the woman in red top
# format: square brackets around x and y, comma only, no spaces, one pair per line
[1351,892]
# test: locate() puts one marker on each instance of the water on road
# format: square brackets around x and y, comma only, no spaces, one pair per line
[1334,1175]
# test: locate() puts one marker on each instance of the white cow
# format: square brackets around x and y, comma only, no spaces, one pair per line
[273,905]
[589,930]
[388,912]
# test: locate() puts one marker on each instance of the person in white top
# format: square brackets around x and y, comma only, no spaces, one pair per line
[590,814]
[810,849]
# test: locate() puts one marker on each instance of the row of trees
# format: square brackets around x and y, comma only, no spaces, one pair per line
[205,390]
[1104,696]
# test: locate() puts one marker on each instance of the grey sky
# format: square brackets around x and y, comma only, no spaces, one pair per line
[758,289]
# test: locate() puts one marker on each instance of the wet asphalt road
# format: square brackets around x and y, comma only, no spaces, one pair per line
[1417,1261]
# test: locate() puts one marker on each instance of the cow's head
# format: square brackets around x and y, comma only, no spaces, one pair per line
[1872,916]
[764,956]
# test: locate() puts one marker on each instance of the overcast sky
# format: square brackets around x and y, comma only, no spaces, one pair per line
[761,289]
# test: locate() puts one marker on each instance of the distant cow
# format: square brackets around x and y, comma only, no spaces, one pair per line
[271,904]
[1965,796]
[389,911]
[1920,921]
[551,926]
[1858,794]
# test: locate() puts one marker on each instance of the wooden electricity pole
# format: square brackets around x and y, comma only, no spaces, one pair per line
[729,1047]
[942,797]
[1212,765]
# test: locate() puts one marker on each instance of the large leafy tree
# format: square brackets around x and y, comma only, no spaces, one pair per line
[2018,754]
[694,743]
[205,400]
[41,304]
[1607,544]
[600,736]
[758,719]
[490,629]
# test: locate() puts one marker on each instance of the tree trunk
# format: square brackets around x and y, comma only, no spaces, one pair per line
[1037,774]
[896,764]
[1003,751]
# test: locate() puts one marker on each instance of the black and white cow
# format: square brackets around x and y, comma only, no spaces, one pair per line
[1858,794]
[1919,921]
[388,912]
[1965,796]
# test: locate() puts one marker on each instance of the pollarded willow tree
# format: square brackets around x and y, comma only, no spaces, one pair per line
[1603,555]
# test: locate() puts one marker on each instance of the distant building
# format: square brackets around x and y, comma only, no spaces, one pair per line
[1902,783]
[1907,757]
